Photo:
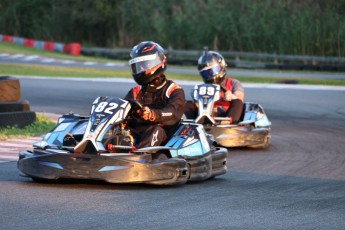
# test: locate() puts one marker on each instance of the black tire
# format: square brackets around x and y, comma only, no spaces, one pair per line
[9,89]
[22,105]
[42,180]
[17,119]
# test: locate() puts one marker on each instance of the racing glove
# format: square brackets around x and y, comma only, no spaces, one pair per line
[68,140]
[147,114]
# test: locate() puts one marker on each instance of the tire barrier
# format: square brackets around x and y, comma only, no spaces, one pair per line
[71,48]
[9,89]
[14,112]
[21,105]
[17,119]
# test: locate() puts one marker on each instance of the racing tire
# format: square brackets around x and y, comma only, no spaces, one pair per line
[17,119]
[9,89]
[22,105]
[42,180]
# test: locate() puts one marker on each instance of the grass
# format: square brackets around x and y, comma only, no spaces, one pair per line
[87,72]
[6,47]
[57,71]
[41,126]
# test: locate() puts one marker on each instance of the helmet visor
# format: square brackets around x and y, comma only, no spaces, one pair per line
[144,63]
[210,72]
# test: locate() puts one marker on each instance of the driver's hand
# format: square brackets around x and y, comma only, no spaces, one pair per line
[147,114]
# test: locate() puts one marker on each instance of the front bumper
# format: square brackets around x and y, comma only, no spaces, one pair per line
[121,168]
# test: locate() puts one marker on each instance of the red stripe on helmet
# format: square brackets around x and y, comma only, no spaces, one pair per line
[147,49]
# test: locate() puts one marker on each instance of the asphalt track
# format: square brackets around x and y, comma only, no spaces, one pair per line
[297,183]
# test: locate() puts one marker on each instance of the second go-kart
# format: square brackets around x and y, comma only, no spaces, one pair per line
[99,147]
[253,129]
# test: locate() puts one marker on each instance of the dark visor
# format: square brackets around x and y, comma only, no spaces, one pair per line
[209,72]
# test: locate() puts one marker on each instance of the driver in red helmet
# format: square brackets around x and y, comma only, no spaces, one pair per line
[212,69]
[163,100]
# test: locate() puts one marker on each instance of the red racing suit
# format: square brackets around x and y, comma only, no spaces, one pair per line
[233,109]
[223,104]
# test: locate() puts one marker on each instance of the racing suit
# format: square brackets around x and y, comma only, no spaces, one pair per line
[232,108]
[167,103]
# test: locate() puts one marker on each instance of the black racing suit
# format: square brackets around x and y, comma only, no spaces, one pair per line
[167,102]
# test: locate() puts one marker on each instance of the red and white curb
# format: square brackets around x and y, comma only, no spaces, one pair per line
[45,60]
[9,149]
[71,48]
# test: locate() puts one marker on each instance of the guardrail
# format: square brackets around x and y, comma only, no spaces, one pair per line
[236,59]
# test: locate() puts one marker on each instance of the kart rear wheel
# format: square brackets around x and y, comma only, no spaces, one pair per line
[41,180]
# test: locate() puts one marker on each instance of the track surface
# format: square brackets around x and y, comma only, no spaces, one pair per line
[297,183]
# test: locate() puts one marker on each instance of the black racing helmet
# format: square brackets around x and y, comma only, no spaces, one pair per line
[212,67]
[147,63]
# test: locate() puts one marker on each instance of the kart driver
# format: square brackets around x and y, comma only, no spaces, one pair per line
[212,68]
[162,100]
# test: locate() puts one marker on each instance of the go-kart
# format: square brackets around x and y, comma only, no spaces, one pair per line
[99,147]
[252,130]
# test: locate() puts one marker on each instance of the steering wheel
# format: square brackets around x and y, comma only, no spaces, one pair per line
[135,106]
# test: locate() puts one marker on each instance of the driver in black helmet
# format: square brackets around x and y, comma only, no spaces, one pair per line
[212,69]
[163,100]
